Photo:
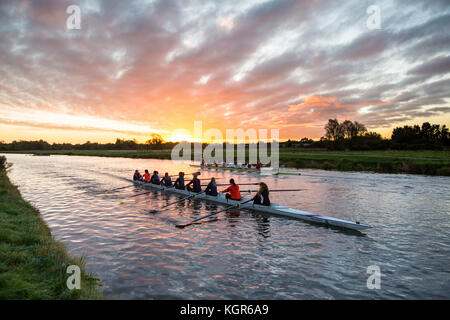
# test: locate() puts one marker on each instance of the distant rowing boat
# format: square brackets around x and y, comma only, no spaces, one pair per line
[246,170]
[274,209]
[41,154]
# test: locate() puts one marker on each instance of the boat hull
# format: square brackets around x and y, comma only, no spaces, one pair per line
[273,209]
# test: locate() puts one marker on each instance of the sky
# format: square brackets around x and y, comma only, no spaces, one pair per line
[134,68]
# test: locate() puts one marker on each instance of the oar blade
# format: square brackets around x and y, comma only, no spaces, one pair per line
[181,226]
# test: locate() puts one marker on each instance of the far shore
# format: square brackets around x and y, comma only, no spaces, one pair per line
[391,161]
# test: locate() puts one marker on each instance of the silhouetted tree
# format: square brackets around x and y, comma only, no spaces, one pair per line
[426,136]
[156,140]
[333,130]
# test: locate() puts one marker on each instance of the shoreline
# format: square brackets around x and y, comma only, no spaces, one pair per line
[33,265]
[434,163]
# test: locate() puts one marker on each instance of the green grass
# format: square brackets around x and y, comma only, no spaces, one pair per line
[391,161]
[415,162]
[32,264]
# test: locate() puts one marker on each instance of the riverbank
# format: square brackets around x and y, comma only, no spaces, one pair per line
[32,264]
[412,162]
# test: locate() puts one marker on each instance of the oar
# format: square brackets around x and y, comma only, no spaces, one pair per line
[178,201]
[186,174]
[212,214]
[129,186]
[122,188]
[280,190]
[241,184]
[147,192]
[140,194]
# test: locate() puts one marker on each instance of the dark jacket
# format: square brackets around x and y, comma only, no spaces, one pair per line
[166,181]
[155,179]
[262,199]
[179,183]
[196,186]
[137,176]
[211,190]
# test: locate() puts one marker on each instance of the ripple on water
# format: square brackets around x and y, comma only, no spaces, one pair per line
[138,255]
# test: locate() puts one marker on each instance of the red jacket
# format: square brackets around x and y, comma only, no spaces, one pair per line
[234,192]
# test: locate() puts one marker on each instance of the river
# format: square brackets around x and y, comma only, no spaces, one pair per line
[243,255]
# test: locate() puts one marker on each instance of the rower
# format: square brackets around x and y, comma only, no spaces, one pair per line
[262,196]
[179,183]
[249,166]
[258,165]
[147,176]
[231,165]
[196,186]
[166,180]
[233,190]
[211,188]
[137,176]
[239,165]
[203,162]
[155,178]
[224,164]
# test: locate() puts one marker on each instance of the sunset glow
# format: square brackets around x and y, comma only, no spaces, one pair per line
[142,67]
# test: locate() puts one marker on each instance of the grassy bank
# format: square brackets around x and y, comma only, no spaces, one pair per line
[32,264]
[414,162]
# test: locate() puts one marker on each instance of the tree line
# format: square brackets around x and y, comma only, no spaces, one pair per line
[355,136]
[338,136]
[156,142]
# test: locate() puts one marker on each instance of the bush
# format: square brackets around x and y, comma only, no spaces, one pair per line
[444,171]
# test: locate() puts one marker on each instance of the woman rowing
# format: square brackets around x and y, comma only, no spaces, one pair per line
[147,177]
[166,180]
[232,192]
[195,182]
[262,196]
[137,176]
[211,188]
[179,183]
[155,178]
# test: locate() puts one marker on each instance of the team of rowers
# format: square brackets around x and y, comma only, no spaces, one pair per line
[231,192]
[232,165]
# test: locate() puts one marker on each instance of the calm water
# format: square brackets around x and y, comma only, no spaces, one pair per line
[138,255]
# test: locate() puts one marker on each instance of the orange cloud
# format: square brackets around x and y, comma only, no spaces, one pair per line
[315,101]
[158,66]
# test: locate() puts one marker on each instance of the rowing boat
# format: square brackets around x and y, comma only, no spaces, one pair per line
[247,170]
[274,209]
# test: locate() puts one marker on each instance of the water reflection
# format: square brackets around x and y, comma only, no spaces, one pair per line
[239,255]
